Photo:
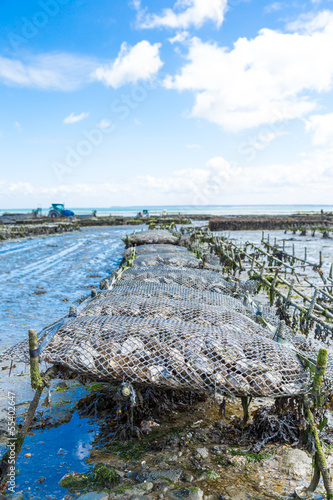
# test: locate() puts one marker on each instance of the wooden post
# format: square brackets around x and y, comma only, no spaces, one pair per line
[72,311]
[320,465]
[246,400]
[313,302]
[305,254]
[252,264]
[320,258]
[290,291]
[36,381]
[272,290]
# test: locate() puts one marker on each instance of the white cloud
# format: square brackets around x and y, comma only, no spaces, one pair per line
[184,14]
[309,180]
[75,118]
[267,79]
[273,7]
[195,186]
[140,62]
[55,71]
[103,124]
[321,127]
[18,126]
[179,38]
[191,185]
[193,146]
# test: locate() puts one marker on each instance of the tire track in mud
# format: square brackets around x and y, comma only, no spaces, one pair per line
[41,265]
[39,278]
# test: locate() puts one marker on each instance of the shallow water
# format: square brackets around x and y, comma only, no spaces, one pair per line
[313,244]
[41,277]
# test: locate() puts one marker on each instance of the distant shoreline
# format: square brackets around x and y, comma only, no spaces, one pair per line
[188,210]
[20,227]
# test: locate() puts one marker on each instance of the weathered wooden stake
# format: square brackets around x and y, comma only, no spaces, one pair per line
[246,400]
[320,258]
[320,465]
[313,302]
[36,381]
[290,291]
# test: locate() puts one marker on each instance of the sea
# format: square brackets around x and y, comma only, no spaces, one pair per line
[225,210]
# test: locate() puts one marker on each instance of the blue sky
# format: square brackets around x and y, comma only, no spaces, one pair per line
[189,102]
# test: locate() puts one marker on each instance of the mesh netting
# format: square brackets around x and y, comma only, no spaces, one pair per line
[167,259]
[178,354]
[192,278]
[158,236]
[153,249]
[177,310]
[177,292]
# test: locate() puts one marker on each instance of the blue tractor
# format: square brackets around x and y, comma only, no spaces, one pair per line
[58,210]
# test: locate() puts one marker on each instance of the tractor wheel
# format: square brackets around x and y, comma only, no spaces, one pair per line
[54,214]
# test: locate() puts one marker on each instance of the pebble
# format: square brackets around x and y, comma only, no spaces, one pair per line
[295,462]
[202,452]
[160,476]
[193,494]
[27,455]
[94,495]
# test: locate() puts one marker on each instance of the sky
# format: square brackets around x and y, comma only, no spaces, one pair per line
[187,102]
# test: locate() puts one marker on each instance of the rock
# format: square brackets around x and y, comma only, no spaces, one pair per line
[94,495]
[139,497]
[146,486]
[241,495]
[202,453]
[17,496]
[239,461]
[188,477]
[188,494]
[120,473]
[294,462]
[160,476]
[237,495]
[27,455]
[218,449]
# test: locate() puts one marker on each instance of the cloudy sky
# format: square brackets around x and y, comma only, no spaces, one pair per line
[162,102]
